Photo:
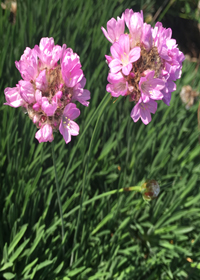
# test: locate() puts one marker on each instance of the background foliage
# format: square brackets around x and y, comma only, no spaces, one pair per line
[119,236]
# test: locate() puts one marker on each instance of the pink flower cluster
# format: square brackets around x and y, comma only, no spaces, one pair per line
[144,63]
[48,89]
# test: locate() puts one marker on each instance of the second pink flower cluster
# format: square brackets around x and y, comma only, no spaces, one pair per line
[143,64]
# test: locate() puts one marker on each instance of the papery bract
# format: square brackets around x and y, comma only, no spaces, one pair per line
[150,190]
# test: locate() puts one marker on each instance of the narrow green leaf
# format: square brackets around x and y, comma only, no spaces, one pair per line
[8,275]
[6,265]
[17,238]
[19,250]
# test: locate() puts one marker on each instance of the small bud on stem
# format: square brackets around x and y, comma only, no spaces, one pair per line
[150,190]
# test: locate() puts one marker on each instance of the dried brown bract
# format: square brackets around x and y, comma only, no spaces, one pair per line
[188,96]
[12,6]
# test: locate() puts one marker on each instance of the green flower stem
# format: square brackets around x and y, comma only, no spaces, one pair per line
[82,135]
[58,195]
[100,110]
[135,188]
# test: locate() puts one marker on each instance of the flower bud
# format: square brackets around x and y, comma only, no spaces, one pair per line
[150,190]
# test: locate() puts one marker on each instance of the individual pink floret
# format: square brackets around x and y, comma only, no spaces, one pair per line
[48,108]
[143,110]
[151,87]
[146,36]
[123,56]
[71,69]
[170,86]
[134,22]
[13,97]
[160,37]
[48,53]
[114,29]
[44,134]
[41,81]
[118,84]
[80,94]
[67,126]
[28,65]
[27,91]
[127,15]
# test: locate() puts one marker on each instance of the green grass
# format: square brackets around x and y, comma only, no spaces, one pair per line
[118,236]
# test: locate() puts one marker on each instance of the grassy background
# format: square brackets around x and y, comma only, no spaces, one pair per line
[116,237]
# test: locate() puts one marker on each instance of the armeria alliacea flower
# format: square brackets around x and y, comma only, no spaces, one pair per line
[48,89]
[144,63]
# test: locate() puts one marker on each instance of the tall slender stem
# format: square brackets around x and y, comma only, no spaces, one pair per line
[58,195]
[97,197]
[85,174]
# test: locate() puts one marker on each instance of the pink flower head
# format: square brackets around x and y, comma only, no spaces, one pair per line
[49,88]
[115,29]
[143,110]
[123,56]
[67,126]
[144,64]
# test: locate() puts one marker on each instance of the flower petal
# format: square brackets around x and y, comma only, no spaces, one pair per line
[13,97]
[27,91]
[41,81]
[65,132]
[71,112]
[44,134]
[115,65]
